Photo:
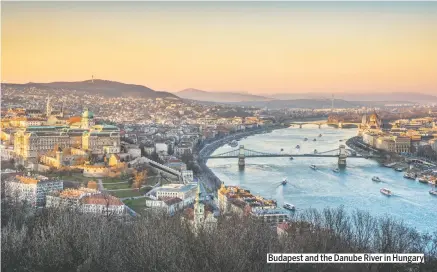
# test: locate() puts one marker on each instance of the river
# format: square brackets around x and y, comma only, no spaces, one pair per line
[307,188]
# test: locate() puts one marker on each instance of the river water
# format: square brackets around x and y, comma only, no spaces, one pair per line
[307,188]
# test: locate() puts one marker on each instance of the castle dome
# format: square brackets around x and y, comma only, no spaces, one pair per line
[374,117]
[87,114]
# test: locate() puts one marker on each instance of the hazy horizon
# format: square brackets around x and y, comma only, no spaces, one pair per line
[248,47]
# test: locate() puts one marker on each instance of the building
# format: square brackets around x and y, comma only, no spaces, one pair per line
[33,141]
[102,204]
[403,144]
[185,192]
[33,189]
[183,148]
[433,143]
[67,197]
[386,143]
[233,199]
[170,205]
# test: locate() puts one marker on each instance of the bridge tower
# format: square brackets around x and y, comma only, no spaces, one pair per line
[300,125]
[320,126]
[342,156]
[340,125]
[241,158]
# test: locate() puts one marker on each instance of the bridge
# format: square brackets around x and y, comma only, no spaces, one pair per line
[341,153]
[319,123]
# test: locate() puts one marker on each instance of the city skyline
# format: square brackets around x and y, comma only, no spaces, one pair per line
[258,48]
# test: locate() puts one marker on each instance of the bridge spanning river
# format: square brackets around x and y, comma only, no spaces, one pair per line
[341,153]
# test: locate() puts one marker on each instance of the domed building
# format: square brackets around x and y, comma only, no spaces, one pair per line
[372,122]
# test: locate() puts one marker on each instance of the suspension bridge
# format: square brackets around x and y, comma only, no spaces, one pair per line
[342,153]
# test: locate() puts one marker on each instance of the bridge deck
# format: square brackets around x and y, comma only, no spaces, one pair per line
[288,155]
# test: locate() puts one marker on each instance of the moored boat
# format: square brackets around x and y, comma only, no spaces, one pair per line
[297,146]
[289,207]
[233,143]
[409,176]
[386,191]
[314,167]
[433,192]
[423,180]
[336,170]
[291,158]
[284,181]
[376,179]
[399,169]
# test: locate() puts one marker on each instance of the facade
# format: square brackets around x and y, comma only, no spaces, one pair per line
[67,197]
[183,148]
[403,144]
[34,189]
[185,192]
[170,205]
[102,204]
[233,199]
[34,141]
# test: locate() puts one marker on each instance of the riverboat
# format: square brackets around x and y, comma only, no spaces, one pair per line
[291,158]
[297,146]
[376,179]
[336,170]
[386,192]
[399,169]
[409,176]
[306,139]
[422,180]
[433,192]
[289,207]
[234,143]
[284,181]
[320,135]
[313,167]
[314,139]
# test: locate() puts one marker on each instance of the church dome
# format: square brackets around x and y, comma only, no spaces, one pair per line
[87,114]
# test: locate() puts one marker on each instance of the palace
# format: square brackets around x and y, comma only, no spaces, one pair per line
[34,141]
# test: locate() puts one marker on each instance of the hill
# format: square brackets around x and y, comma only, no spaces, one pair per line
[98,86]
[221,97]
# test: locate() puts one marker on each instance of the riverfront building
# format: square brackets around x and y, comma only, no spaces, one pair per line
[233,199]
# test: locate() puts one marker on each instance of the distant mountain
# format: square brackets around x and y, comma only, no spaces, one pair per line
[222,97]
[386,96]
[300,103]
[102,87]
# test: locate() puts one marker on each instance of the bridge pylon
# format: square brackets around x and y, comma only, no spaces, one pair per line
[241,158]
[342,156]
[320,126]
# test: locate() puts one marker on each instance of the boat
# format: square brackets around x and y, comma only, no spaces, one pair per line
[306,139]
[314,167]
[314,139]
[340,140]
[336,170]
[234,143]
[376,179]
[315,151]
[284,181]
[385,191]
[289,207]
[291,158]
[399,169]
[433,182]
[320,135]
[423,180]
[433,192]
[409,176]
[282,149]
[297,146]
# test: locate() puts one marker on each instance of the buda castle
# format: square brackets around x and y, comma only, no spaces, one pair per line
[81,133]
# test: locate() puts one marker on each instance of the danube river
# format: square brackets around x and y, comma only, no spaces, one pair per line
[307,188]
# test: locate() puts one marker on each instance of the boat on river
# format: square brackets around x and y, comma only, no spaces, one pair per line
[336,170]
[234,143]
[297,146]
[306,139]
[314,139]
[289,207]
[313,166]
[291,158]
[410,176]
[422,180]
[386,192]
[433,192]
[376,179]
[320,135]
[284,181]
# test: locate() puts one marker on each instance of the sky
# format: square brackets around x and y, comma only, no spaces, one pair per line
[255,47]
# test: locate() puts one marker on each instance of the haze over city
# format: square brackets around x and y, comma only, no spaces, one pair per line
[260,48]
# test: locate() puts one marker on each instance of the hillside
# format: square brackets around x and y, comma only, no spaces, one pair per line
[98,86]
[223,97]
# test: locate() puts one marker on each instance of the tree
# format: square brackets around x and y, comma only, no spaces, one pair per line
[139,178]
[20,168]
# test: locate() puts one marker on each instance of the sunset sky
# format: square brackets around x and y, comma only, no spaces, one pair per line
[256,47]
